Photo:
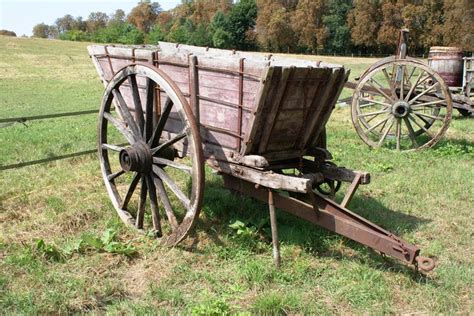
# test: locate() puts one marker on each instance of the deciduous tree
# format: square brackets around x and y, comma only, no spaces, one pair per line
[41,30]
[144,15]
[65,23]
[459,24]
[273,26]
[392,22]
[307,23]
[96,21]
[364,23]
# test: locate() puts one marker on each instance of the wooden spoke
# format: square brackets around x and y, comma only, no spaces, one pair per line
[374,113]
[398,133]
[428,104]
[390,83]
[155,212]
[428,123]
[120,127]
[132,80]
[371,119]
[366,105]
[411,132]
[412,73]
[170,142]
[379,123]
[160,189]
[130,190]
[386,105]
[112,147]
[141,204]
[161,122]
[413,87]
[420,126]
[115,175]
[383,125]
[378,89]
[387,130]
[125,112]
[440,118]
[171,185]
[402,82]
[436,84]
[150,104]
[171,163]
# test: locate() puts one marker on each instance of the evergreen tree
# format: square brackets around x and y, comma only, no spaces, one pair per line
[339,35]
[241,22]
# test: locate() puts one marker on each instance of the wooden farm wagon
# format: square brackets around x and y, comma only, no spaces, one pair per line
[259,121]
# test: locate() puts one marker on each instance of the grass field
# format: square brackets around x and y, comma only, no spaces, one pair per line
[47,210]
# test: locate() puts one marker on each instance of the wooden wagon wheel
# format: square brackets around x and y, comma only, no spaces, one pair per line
[401,104]
[140,141]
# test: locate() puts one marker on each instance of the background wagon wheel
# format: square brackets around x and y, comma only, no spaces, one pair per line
[401,104]
[141,135]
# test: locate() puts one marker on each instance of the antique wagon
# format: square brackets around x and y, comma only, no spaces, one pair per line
[257,120]
[401,103]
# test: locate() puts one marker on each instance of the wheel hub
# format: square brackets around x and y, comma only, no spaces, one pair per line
[137,158]
[401,109]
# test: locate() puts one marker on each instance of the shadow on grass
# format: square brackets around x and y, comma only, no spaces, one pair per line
[221,207]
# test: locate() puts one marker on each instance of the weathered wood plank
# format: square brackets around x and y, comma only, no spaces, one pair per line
[275,106]
[256,118]
[344,76]
[320,100]
[267,179]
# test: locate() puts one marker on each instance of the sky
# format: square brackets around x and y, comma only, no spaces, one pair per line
[20,16]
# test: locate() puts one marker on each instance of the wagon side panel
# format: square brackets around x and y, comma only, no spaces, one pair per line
[227,90]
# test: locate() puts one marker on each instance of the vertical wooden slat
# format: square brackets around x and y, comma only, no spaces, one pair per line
[194,86]
[110,61]
[308,96]
[321,100]
[281,93]
[330,103]
[156,63]
[256,117]
[241,101]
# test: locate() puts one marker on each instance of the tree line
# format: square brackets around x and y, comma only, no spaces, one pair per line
[300,26]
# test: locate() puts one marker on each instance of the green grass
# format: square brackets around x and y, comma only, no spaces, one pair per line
[426,198]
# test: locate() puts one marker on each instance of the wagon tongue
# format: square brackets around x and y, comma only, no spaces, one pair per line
[332,216]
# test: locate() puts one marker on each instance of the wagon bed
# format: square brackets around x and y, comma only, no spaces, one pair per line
[247,104]
[259,120]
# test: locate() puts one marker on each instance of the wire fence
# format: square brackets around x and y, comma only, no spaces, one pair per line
[6,122]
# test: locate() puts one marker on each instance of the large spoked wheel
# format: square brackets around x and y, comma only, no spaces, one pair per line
[150,153]
[401,104]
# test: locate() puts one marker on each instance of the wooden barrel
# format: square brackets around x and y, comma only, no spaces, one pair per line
[448,63]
